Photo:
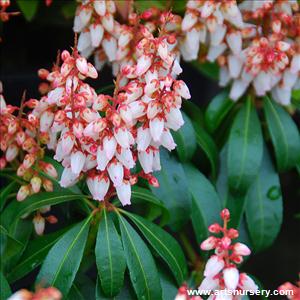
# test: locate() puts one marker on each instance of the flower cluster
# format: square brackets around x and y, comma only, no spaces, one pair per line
[255,43]
[289,287]
[22,147]
[103,136]
[49,293]
[114,39]
[221,271]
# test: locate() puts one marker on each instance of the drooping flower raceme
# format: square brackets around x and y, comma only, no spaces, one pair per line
[255,43]
[22,147]
[111,30]
[102,136]
[221,272]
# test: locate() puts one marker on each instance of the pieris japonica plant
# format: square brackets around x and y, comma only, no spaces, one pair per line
[109,191]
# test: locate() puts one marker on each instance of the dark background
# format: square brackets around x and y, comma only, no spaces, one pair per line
[28,46]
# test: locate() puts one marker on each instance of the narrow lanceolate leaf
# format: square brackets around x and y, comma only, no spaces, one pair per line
[172,190]
[284,135]
[17,209]
[34,255]
[126,292]
[206,203]
[142,268]
[9,246]
[245,149]
[62,262]
[217,110]
[5,290]
[185,139]
[208,146]
[235,203]
[5,191]
[264,206]
[164,244]
[143,196]
[28,8]
[210,70]
[110,257]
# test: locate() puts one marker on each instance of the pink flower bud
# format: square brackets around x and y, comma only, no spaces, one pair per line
[77,162]
[98,186]
[225,214]
[35,183]
[39,224]
[92,72]
[47,185]
[215,228]
[247,283]
[51,219]
[43,73]
[213,266]
[100,7]
[116,173]
[23,192]
[11,152]
[231,277]
[2,163]
[225,242]
[143,64]
[209,243]
[65,55]
[46,120]
[241,249]
[82,65]
[156,128]
[124,193]
[232,233]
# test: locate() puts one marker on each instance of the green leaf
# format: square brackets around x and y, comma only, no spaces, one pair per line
[126,293]
[172,190]
[207,144]
[245,149]
[16,209]
[28,8]
[83,288]
[194,112]
[34,255]
[185,139]
[284,135]
[142,195]
[235,203]
[142,5]
[69,9]
[217,110]
[4,288]
[169,288]
[142,269]
[5,191]
[22,234]
[9,245]
[210,70]
[206,203]
[264,206]
[164,244]
[110,257]
[62,262]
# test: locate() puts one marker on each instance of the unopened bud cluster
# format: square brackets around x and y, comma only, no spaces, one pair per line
[221,272]
[22,147]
